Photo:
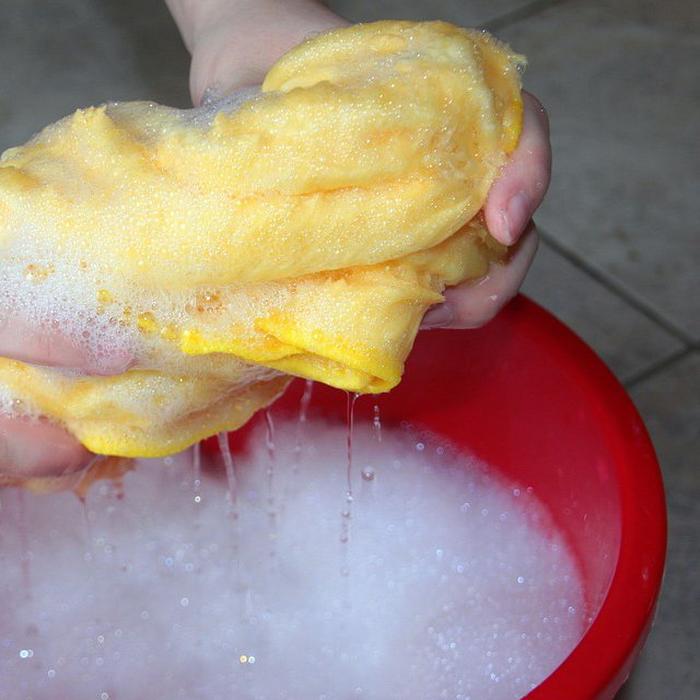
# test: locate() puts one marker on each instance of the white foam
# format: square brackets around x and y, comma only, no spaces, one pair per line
[52,288]
[453,589]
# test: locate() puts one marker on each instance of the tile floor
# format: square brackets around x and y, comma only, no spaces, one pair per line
[620,257]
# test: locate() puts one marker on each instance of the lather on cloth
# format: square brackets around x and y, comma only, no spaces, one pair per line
[303,230]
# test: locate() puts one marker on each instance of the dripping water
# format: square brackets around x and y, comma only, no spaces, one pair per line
[230,469]
[368,472]
[377,423]
[232,502]
[346,513]
[350,419]
[89,554]
[301,423]
[25,554]
[271,501]
[197,474]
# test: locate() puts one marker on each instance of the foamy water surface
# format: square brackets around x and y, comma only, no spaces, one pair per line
[435,581]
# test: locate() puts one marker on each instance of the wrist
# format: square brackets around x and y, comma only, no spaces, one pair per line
[191,15]
[233,44]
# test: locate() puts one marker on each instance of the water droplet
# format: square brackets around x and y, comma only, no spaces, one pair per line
[197,471]
[368,474]
[377,423]
[303,410]
[26,653]
[420,446]
[184,602]
[225,450]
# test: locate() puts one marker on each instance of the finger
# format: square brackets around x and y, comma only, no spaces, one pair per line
[37,448]
[41,346]
[521,186]
[228,54]
[472,304]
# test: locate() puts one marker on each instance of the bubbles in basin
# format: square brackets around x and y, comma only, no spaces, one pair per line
[446,600]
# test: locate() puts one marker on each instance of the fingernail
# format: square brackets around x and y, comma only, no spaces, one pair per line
[516,216]
[438,317]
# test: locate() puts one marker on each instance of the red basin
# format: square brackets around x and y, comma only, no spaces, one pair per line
[529,397]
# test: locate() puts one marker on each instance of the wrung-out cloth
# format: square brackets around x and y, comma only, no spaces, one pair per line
[301,231]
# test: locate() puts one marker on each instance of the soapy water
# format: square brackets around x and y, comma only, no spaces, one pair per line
[457,588]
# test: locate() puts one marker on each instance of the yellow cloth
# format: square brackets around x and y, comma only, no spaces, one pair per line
[304,232]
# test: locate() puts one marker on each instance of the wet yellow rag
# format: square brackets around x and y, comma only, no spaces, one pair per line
[303,230]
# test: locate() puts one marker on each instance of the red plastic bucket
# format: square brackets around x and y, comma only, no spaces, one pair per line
[529,397]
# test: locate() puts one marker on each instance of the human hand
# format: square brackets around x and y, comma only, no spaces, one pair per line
[35,447]
[234,43]
[511,202]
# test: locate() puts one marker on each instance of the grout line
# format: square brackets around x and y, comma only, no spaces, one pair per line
[657,367]
[619,290]
[519,14]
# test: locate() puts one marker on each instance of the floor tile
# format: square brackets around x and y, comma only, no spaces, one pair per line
[625,339]
[470,13]
[675,14]
[670,404]
[620,81]
[66,54]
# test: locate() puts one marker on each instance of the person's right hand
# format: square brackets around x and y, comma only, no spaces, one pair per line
[511,203]
[35,447]
[227,54]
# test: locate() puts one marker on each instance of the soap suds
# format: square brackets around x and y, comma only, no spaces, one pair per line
[455,586]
